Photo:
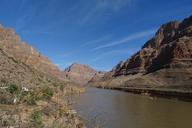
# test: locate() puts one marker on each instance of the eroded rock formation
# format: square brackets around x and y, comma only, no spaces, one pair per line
[79,73]
[170,47]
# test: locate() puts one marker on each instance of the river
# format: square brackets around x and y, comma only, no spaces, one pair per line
[116,109]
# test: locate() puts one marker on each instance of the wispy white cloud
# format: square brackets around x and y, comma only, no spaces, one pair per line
[26,19]
[115,53]
[126,39]
[102,39]
[115,5]
[91,42]
[100,8]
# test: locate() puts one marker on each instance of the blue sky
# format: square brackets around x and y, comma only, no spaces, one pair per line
[99,33]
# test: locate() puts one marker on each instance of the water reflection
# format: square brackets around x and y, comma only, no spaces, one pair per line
[124,110]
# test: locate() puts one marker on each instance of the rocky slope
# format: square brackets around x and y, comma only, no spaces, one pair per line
[25,90]
[15,47]
[170,47]
[29,92]
[79,73]
[98,76]
[15,71]
[164,61]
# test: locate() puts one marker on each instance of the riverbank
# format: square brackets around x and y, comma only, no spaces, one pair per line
[156,92]
[43,107]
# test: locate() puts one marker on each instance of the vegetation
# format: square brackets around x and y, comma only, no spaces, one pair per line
[13,88]
[36,119]
[38,107]
[25,92]
[31,98]
[47,93]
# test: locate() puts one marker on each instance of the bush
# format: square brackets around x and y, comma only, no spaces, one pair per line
[13,88]
[47,93]
[36,119]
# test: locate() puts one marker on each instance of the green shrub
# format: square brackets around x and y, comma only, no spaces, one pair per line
[47,93]
[36,119]
[13,89]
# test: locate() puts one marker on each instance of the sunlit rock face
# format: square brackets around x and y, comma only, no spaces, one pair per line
[171,47]
[165,61]
[14,46]
[97,77]
[80,74]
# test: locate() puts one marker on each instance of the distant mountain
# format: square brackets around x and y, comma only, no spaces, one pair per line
[15,47]
[164,61]
[98,76]
[79,73]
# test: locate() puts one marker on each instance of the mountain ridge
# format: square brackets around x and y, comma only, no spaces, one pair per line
[169,41]
[14,46]
[164,61]
[79,73]
[11,43]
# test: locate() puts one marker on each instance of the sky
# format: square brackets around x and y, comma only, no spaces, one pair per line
[99,33]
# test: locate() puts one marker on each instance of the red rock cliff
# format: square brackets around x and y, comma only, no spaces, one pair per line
[170,47]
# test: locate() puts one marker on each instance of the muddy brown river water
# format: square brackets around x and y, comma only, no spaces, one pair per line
[116,109]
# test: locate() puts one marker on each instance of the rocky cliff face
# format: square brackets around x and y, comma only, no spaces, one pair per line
[170,47]
[97,77]
[165,61]
[79,73]
[14,46]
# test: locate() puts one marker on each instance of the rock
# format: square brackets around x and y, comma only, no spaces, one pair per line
[79,74]
[165,61]
[97,77]
[170,47]
[13,71]
[15,47]
[25,89]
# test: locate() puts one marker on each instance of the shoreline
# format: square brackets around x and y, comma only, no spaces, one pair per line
[154,92]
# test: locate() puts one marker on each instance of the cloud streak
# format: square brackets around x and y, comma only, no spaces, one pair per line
[115,5]
[100,8]
[97,40]
[126,39]
[115,53]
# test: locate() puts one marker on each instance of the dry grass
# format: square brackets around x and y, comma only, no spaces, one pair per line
[49,113]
